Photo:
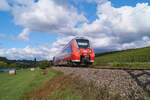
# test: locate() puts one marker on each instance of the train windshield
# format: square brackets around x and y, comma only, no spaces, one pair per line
[82,43]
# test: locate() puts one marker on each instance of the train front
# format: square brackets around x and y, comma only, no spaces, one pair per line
[83,52]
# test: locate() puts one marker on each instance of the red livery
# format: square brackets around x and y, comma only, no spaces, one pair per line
[79,51]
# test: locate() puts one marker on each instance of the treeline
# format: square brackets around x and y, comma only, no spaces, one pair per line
[5,63]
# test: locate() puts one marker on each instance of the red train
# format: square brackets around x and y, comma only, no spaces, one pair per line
[79,51]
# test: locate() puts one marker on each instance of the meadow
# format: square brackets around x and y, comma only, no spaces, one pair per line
[136,58]
[16,87]
[49,84]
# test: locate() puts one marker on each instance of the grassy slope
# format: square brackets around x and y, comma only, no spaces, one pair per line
[54,85]
[16,86]
[129,58]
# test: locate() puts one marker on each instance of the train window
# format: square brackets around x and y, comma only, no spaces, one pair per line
[67,49]
[70,48]
[64,51]
[83,43]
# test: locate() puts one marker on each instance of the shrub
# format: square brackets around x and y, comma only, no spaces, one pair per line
[43,64]
[3,64]
[118,96]
[13,65]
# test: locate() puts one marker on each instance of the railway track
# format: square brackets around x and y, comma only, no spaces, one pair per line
[118,79]
[121,68]
[111,68]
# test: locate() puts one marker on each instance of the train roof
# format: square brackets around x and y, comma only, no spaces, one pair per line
[70,42]
[79,38]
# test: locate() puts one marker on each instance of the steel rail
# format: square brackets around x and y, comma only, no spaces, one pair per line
[107,67]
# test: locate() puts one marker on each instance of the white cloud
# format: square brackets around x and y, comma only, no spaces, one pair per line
[145,38]
[4,6]
[119,27]
[41,52]
[24,35]
[114,29]
[48,16]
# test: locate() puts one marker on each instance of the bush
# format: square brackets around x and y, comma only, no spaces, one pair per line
[13,65]
[43,64]
[3,64]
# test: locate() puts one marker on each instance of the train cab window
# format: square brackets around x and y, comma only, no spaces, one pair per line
[83,43]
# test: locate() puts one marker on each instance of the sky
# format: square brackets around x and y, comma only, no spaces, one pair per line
[40,28]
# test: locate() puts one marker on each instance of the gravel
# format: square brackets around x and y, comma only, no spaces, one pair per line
[118,81]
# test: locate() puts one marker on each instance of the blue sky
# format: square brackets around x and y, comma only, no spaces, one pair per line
[11,31]
[33,29]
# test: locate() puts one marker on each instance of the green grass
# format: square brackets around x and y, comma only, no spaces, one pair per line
[66,94]
[130,64]
[27,85]
[53,85]
[15,87]
[129,58]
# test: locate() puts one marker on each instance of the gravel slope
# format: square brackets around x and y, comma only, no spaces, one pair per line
[118,81]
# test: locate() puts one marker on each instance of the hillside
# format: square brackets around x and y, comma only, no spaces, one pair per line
[126,57]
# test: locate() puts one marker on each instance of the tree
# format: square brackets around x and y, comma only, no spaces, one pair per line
[44,63]
[3,64]
[3,59]
[13,65]
[34,62]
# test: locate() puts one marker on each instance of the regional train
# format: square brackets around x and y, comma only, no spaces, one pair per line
[79,51]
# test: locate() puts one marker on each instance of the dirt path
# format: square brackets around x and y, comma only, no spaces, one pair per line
[118,81]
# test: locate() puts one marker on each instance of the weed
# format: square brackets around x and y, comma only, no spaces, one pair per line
[103,92]
[132,95]
[117,96]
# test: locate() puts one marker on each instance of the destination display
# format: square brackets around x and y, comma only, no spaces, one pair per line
[81,43]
